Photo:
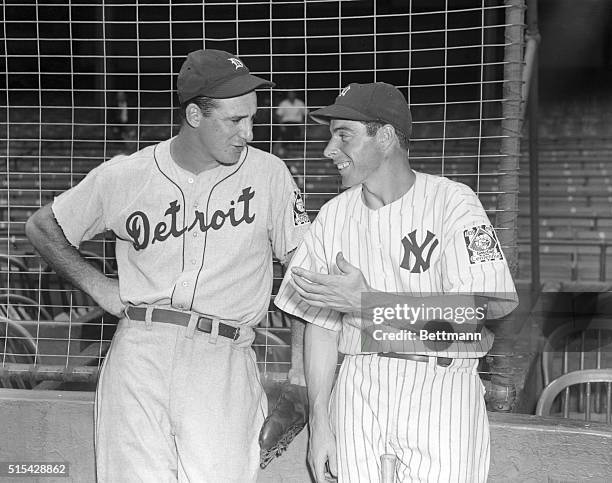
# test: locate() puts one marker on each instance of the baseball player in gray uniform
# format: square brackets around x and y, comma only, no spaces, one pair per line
[197,219]
[396,243]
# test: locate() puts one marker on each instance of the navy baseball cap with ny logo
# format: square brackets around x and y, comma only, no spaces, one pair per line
[377,101]
[217,74]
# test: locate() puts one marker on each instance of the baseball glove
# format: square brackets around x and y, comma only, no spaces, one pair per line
[286,418]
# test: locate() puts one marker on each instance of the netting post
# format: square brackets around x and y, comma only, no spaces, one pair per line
[507,202]
[502,391]
[532,96]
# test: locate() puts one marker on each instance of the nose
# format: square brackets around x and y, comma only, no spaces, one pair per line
[330,151]
[246,129]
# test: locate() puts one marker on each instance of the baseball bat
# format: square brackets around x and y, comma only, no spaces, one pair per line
[387,468]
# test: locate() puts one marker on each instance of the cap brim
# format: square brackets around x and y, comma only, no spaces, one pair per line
[238,86]
[337,111]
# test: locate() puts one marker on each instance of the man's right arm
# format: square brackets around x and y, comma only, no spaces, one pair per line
[320,359]
[47,237]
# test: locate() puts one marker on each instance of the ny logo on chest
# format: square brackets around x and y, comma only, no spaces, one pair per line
[420,253]
[143,234]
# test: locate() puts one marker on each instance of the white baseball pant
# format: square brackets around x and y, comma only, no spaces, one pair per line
[432,418]
[174,404]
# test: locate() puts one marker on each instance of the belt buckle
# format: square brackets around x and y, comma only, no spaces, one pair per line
[198,324]
[236,334]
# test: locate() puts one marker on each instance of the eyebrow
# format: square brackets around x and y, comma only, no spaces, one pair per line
[341,128]
[241,116]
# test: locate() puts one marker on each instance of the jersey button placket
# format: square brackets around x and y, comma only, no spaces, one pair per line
[192,243]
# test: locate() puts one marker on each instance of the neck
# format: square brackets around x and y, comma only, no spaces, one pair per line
[394,179]
[186,153]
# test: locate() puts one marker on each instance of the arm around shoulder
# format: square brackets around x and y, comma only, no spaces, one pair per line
[47,236]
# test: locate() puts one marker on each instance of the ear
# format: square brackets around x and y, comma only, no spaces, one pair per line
[385,136]
[193,115]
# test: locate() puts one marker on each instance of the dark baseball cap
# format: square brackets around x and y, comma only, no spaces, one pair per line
[216,74]
[377,101]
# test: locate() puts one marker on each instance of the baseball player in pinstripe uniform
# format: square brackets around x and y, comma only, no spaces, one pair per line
[395,241]
[197,219]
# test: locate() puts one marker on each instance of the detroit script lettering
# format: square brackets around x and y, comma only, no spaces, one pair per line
[139,227]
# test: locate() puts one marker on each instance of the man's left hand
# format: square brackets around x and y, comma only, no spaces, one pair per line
[340,291]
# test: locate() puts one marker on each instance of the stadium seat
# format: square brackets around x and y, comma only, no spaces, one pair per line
[576,345]
[63,299]
[584,394]
[18,346]
[16,277]
[17,343]
[19,307]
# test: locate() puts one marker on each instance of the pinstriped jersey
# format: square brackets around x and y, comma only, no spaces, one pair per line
[436,239]
[193,242]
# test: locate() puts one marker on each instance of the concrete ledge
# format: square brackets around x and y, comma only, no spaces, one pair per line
[52,426]
[534,449]
[58,426]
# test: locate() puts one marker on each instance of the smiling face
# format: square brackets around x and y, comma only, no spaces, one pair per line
[227,130]
[356,154]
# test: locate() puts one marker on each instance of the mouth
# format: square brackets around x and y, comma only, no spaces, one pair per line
[343,165]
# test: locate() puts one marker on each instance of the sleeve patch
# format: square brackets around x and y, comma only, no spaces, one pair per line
[482,244]
[300,217]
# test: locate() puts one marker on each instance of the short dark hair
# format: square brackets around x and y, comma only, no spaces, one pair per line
[372,128]
[206,105]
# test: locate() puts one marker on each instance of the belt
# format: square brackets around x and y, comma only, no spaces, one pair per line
[441,361]
[204,324]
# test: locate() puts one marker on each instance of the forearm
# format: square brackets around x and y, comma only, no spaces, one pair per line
[296,371]
[48,238]
[320,359]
